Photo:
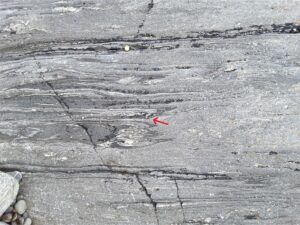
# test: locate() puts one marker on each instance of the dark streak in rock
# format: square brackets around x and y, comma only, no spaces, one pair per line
[179,199]
[197,45]
[59,99]
[273,153]
[85,128]
[140,43]
[296,162]
[146,35]
[287,28]
[126,170]
[183,67]
[251,217]
[154,204]
[139,102]
[149,7]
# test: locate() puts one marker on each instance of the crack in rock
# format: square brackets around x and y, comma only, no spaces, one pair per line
[66,109]
[180,200]
[149,8]
[86,129]
[154,204]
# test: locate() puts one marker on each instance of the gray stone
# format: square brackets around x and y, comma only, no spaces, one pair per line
[7,217]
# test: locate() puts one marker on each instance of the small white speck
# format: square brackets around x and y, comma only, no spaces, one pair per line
[63,159]
[126,48]
[221,217]
[230,69]
[65,9]
[49,154]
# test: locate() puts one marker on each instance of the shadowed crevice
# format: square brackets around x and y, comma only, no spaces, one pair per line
[180,200]
[154,204]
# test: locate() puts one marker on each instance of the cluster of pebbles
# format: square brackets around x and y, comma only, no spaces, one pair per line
[16,214]
[13,207]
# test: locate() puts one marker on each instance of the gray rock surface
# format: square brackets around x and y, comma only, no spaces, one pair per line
[76,110]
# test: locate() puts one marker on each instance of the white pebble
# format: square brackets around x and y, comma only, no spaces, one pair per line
[126,48]
[28,221]
[21,207]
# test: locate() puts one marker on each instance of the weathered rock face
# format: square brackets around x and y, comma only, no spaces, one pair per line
[9,188]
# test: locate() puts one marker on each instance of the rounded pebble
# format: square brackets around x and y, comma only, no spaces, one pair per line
[15,216]
[20,220]
[126,48]
[21,207]
[25,215]
[7,217]
[28,221]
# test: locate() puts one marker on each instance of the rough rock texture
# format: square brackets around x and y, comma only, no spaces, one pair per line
[76,110]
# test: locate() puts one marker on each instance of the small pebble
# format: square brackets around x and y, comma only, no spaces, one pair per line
[25,215]
[16,214]
[7,217]
[21,207]
[126,48]
[15,217]
[28,221]
[18,176]
[20,220]
[20,197]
